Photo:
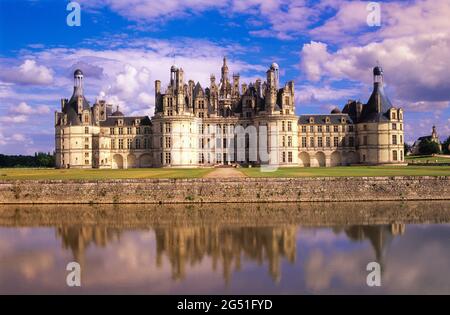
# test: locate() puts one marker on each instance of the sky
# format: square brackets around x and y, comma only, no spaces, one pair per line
[327,47]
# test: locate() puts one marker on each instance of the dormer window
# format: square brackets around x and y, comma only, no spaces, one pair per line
[311,120]
[137,122]
[342,120]
[394,115]
[327,120]
[120,122]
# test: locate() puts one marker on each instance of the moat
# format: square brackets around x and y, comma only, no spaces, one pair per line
[315,248]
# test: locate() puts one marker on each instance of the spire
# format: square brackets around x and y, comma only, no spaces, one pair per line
[224,70]
[78,82]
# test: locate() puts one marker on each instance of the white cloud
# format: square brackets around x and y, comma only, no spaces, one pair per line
[416,66]
[14,119]
[24,109]
[28,73]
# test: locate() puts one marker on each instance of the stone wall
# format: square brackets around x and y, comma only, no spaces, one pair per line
[226,190]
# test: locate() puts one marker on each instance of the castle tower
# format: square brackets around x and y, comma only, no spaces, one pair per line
[380,127]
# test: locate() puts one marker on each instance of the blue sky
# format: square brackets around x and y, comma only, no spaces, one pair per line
[326,47]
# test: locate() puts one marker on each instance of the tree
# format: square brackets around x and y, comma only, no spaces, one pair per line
[427,147]
[406,148]
[446,146]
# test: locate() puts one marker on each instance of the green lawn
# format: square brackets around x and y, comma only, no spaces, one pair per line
[429,158]
[94,174]
[351,171]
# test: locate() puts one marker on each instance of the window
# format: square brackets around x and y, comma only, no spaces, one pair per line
[129,130]
[394,139]
[201,158]
[394,116]
[129,143]
[365,140]
[365,127]
[394,155]
[319,128]
[350,128]
[284,157]
[86,161]
[289,125]
[328,142]
[351,141]
[138,143]
[311,142]
[120,131]
[282,126]
[86,130]
[394,126]
[401,139]
[303,128]
[311,129]
[289,141]
[168,142]
[327,128]
[120,144]
[401,155]
[138,130]
[319,142]
[113,144]
[146,130]
[111,131]
[304,142]
[336,128]
[283,141]
[168,158]
[146,142]
[401,127]
[290,157]
[86,146]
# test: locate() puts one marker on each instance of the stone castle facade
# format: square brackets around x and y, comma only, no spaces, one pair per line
[227,123]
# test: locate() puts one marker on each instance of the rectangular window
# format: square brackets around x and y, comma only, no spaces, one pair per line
[113,144]
[284,157]
[138,144]
[365,140]
[311,142]
[120,144]
[146,142]
[86,130]
[289,125]
[289,141]
[290,157]
[336,141]
[394,155]
[401,139]
[394,139]
[111,131]
[319,142]
[138,130]
[120,131]
[129,143]
[327,128]
[311,128]
[168,142]
[303,128]
[129,130]
[328,142]
[350,128]
[283,141]
[282,126]
[336,128]
[319,128]
[168,158]
[304,142]
[394,126]
[351,141]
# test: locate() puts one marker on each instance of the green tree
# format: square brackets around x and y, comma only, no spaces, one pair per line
[427,147]
[406,148]
[446,146]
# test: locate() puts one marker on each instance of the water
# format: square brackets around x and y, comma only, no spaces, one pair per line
[226,249]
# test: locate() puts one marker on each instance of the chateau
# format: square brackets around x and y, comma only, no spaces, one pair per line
[227,123]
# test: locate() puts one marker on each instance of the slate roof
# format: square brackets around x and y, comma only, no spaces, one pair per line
[321,119]
[127,121]
[377,106]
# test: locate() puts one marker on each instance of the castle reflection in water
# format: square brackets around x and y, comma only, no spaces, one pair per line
[226,246]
